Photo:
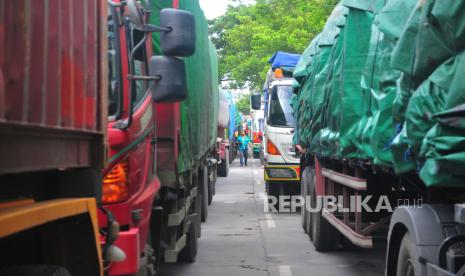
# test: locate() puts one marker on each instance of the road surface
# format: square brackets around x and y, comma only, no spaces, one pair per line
[239,238]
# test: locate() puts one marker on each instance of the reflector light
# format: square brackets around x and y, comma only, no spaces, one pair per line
[271,148]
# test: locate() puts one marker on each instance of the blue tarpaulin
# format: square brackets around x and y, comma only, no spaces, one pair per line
[283,59]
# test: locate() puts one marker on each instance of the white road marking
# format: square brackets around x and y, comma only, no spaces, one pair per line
[261,195]
[230,202]
[269,221]
[285,270]
[258,182]
[255,172]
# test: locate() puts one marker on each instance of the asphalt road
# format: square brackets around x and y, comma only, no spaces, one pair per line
[239,238]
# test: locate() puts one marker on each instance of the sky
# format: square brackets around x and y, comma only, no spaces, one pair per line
[215,8]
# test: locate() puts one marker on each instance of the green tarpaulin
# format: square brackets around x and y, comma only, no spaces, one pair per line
[383,82]
[199,112]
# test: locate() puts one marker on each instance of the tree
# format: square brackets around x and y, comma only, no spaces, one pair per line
[243,104]
[247,36]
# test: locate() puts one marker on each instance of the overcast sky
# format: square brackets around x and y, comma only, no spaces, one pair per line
[215,8]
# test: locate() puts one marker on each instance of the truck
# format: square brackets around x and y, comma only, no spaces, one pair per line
[53,111]
[379,124]
[160,166]
[223,141]
[281,163]
[258,119]
[233,128]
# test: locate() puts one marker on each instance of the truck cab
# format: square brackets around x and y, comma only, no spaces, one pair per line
[131,184]
[281,162]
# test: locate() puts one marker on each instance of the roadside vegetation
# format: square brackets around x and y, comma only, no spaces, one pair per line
[246,36]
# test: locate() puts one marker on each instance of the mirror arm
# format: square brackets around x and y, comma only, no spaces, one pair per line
[146,78]
[149,28]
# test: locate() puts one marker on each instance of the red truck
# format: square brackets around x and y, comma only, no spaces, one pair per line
[53,93]
[159,208]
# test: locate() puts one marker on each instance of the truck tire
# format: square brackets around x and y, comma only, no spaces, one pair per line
[223,168]
[407,261]
[189,252]
[204,202]
[39,270]
[324,236]
[209,184]
[215,173]
[311,179]
[273,190]
[256,155]
[303,193]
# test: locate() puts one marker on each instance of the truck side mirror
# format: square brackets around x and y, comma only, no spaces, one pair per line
[134,13]
[171,81]
[256,101]
[180,40]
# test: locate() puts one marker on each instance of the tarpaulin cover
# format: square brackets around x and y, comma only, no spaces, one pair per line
[199,112]
[282,59]
[234,116]
[383,82]
[223,112]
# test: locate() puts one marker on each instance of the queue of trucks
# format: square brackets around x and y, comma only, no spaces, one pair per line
[108,140]
[379,110]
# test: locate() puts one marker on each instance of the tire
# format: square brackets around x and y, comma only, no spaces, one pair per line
[303,193]
[223,168]
[209,184]
[204,202]
[324,236]
[39,270]
[189,252]
[274,190]
[311,179]
[407,260]
[214,182]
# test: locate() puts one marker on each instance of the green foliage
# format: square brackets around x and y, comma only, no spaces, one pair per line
[243,104]
[247,36]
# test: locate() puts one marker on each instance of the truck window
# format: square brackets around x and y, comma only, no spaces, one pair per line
[139,87]
[280,109]
[114,71]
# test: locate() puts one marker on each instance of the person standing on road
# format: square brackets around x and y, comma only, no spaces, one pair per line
[244,142]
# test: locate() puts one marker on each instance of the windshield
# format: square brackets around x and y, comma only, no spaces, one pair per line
[114,73]
[280,111]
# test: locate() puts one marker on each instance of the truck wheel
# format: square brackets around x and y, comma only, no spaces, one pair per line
[223,168]
[311,179]
[303,192]
[324,236]
[209,184]
[273,190]
[407,261]
[232,155]
[204,196]
[189,252]
[39,270]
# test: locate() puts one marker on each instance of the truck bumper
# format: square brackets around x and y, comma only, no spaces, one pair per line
[284,172]
[128,241]
[19,216]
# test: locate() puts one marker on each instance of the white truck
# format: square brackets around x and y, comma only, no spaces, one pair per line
[281,163]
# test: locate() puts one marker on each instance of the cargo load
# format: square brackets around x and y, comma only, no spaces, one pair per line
[380,84]
[199,112]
